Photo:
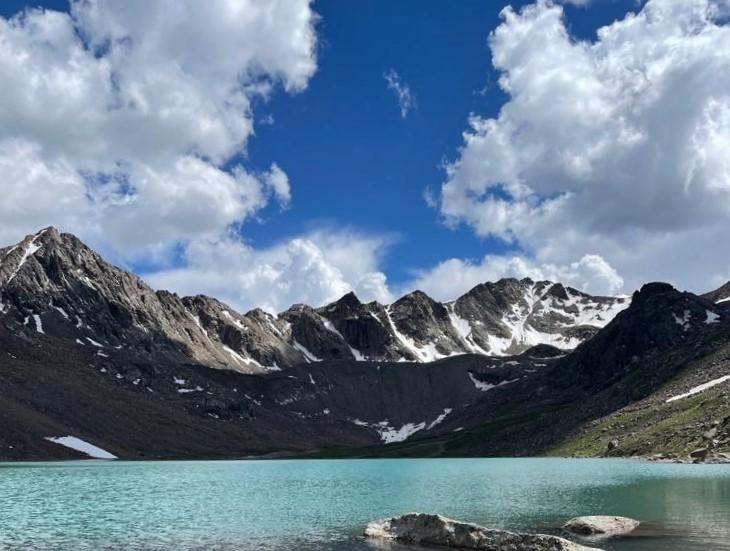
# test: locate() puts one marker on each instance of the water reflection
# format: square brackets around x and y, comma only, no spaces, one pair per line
[324,505]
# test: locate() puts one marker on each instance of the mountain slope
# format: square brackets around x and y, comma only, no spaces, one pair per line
[139,406]
[655,380]
[52,284]
[720,295]
[89,351]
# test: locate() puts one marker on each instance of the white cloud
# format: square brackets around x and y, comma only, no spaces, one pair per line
[315,268]
[451,278]
[615,148]
[37,193]
[124,114]
[401,90]
[119,122]
[277,180]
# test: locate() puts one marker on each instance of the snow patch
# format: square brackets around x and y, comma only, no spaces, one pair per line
[30,249]
[426,353]
[463,329]
[81,446]
[235,322]
[38,324]
[359,356]
[60,310]
[712,317]
[390,435]
[481,385]
[440,418]
[307,354]
[92,341]
[700,388]
[331,328]
[684,321]
[245,361]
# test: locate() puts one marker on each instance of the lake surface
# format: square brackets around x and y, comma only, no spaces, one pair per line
[324,505]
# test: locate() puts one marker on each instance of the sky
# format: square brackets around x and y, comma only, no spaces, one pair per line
[269,152]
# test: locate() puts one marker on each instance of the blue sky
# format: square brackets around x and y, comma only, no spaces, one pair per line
[357,167]
[352,159]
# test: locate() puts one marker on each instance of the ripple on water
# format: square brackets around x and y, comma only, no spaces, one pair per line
[324,505]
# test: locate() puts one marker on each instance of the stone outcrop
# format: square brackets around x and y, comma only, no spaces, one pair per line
[435,530]
[600,525]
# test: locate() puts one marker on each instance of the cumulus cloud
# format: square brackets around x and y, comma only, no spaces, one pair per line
[401,90]
[452,277]
[615,148]
[125,115]
[315,268]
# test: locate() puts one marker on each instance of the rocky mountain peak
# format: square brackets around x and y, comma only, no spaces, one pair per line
[658,318]
[346,304]
[558,291]
[51,284]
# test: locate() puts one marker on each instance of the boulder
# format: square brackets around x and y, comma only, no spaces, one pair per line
[700,454]
[435,530]
[600,525]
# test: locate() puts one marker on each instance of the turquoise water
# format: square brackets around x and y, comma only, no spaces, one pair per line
[324,505]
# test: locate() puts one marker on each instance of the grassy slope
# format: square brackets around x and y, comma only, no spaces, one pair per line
[653,426]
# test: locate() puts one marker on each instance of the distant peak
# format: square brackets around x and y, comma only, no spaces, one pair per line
[557,290]
[415,296]
[350,299]
[655,288]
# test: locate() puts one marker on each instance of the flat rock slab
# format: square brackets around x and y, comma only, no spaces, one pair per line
[435,530]
[601,525]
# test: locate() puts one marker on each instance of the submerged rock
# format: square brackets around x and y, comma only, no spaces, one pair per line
[601,525]
[426,529]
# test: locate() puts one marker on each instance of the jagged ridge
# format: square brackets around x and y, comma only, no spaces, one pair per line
[54,284]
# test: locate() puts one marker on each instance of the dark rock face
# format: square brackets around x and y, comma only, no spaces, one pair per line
[133,403]
[51,283]
[659,318]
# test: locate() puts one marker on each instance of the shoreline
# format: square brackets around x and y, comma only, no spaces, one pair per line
[723,459]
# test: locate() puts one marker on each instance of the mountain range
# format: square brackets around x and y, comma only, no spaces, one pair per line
[92,358]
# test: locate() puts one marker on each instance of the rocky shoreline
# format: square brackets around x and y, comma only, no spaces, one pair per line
[698,456]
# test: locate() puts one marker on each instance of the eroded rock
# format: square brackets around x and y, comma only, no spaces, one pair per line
[435,530]
[598,525]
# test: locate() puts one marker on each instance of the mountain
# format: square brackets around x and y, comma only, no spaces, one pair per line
[91,356]
[656,380]
[720,295]
[52,284]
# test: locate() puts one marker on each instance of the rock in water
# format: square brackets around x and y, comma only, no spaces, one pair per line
[601,525]
[425,529]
